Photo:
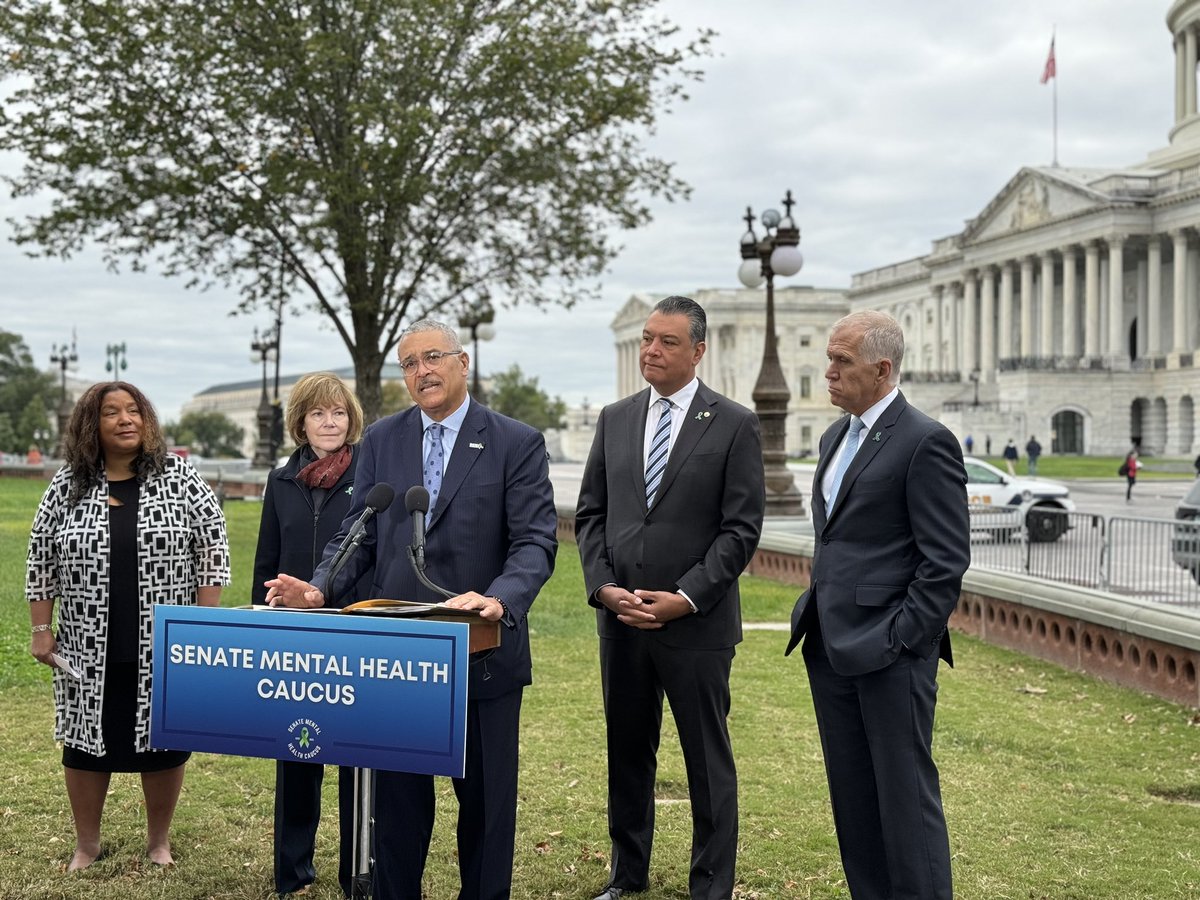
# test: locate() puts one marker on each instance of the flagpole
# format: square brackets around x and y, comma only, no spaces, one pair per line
[1055,100]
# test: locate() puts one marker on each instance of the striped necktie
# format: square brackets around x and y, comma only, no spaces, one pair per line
[435,461]
[660,448]
[856,427]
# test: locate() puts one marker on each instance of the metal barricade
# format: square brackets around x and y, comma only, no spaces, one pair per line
[1152,559]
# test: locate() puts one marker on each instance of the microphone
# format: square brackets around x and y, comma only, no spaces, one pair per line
[416,501]
[379,498]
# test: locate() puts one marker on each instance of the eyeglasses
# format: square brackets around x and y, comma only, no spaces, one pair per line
[431,358]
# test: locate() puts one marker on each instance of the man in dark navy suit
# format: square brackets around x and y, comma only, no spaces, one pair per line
[491,534]
[669,515]
[889,510]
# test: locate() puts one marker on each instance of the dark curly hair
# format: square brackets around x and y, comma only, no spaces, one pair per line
[82,444]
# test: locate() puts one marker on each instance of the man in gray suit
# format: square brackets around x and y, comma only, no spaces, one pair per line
[670,513]
[889,511]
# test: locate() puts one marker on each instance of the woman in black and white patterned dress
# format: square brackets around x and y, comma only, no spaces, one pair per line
[123,525]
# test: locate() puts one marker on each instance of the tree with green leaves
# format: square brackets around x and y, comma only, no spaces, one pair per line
[211,434]
[385,159]
[27,396]
[520,398]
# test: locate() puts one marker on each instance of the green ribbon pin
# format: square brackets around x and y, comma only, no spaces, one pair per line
[304,739]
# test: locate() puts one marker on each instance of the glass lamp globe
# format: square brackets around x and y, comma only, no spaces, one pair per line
[787,260]
[750,273]
[485,331]
[770,218]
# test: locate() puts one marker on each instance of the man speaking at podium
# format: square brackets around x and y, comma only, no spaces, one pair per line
[490,532]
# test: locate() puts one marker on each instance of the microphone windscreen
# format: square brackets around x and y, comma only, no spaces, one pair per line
[380,497]
[416,499]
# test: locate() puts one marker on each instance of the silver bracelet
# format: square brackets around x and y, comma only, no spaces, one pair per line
[37,628]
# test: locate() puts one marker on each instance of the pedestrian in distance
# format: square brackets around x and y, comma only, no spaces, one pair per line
[1011,456]
[969,443]
[1129,469]
[1033,450]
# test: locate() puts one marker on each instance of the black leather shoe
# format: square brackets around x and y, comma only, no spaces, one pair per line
[612,892]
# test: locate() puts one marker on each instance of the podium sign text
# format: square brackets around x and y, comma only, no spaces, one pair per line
[364,691]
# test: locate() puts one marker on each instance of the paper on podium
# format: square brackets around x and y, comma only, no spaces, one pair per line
[484,634]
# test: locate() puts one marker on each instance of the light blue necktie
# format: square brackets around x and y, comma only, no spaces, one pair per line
[435,461]
[660,448]
[847,457]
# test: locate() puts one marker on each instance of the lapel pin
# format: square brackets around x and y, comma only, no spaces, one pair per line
[702,415]
[475,446]
[350,489]
[876,438]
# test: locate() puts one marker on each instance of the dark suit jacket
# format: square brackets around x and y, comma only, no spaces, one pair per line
[703,529]
[292,534]
[492,531]
[889,560]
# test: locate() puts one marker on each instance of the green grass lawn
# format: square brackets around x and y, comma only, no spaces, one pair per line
[1055,785]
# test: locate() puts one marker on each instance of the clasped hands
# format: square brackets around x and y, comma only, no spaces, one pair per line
[647,610]
[295,593]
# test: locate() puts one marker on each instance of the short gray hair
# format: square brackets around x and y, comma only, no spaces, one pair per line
[423,325]
[882,337]
[686,306]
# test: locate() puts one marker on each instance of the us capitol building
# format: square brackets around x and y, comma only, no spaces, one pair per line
[1068,308]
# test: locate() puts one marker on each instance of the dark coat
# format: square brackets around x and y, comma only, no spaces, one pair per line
[293,532]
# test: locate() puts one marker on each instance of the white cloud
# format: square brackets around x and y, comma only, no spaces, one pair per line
[892,123]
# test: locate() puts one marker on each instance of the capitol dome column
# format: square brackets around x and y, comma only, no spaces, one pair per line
[1154,296]
[1006,349]
[1070,304]
[1179,297]
[1116,295]
[1091,299]
[1047,301]
[970,325]
[1026,307]
[987,325]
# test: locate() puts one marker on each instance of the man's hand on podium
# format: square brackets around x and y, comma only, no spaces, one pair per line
[489,607]
[288,591]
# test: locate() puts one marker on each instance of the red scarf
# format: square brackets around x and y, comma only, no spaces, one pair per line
[325,472]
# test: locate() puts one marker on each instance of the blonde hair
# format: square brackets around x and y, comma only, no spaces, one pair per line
[322,389]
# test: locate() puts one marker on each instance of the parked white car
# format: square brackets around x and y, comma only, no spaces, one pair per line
[1037,502]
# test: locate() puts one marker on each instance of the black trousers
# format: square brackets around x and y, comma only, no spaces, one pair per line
[635,674]
[297,812]
[487,811]
[877,733]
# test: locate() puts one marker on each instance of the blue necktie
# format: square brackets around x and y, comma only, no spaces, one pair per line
[435,461]
[660,448]
[856,427]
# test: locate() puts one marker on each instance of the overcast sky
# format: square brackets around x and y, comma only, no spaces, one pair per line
[892,123]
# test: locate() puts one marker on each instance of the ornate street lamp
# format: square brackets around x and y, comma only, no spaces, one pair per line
[64,357]
[265,348]
[475,325]
[117,363]
[776,254]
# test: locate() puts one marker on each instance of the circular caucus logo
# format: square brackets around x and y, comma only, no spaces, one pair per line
[303,735]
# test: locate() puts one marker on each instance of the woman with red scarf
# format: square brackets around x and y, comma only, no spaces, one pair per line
[305,502]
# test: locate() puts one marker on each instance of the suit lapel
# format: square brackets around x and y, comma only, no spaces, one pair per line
[873,440]
[406,455]
[470,444]
[827,453]
[635,421]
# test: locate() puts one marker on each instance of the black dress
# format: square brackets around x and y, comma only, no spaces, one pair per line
[119,717]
